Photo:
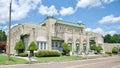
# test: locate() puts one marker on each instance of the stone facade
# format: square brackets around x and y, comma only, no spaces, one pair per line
[109,46]
[51,33]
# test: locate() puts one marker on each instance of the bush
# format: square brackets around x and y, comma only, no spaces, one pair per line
[23,54]
[32,47]
[47,54]
[99,48]
[65,48]
[19,46]
[115,50]
[108,53]
[94,47]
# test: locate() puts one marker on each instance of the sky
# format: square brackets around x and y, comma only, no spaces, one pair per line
[100,16]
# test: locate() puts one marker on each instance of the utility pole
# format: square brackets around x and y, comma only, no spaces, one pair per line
[9,33]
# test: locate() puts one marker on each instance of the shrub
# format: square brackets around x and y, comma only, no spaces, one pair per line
[32,47]
[99,48]
[23,54]
[19,46]
[47,54]
[108,53]
[115,50]
[65,48]
[94,47]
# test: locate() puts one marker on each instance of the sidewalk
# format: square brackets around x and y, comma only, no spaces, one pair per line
[28,59]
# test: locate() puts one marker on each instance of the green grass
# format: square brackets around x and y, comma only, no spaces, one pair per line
[62,58]
[13,60]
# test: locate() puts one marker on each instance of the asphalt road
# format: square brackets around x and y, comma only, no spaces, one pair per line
[111,62]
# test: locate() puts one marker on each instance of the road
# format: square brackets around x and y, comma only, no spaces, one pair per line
[109,62]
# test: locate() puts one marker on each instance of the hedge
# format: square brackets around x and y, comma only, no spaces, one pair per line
[23,54]
[47,54]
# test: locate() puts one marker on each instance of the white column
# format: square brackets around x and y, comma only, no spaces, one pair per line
[39,45]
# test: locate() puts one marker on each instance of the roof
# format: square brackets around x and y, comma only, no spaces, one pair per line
[66,22]
[56,38]
[70,23]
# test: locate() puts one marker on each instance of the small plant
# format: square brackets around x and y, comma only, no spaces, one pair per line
[32,47]
[47,54]
[23,54]
[115,50]
[94,48]
[65,48]
[99,48]
[19,47]
[108,53]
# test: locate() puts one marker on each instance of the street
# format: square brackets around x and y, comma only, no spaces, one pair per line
[109,62]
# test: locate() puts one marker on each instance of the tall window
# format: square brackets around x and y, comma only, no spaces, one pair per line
[42,45]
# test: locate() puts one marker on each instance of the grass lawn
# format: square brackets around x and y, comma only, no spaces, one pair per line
[62,58]
[14,60]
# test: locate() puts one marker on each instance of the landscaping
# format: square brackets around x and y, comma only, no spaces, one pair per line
[61,58]
[14,60]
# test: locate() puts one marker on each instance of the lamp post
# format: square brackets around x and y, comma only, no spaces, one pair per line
[9,25]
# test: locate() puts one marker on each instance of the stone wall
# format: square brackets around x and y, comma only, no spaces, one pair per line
[108,46]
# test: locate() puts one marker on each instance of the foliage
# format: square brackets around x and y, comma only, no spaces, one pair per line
[108,53]
[65,48]
[99,48]
[94,47]
[47,54]
[112,39]
[23,54]
[3,36]
[19,46]
[32,46]
[115,50]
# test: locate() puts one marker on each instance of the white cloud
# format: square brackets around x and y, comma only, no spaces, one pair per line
[101,31]
[66,11]
[92,3]
[108,1]
[88,3]
[20,9]
[109,19]
[45,10]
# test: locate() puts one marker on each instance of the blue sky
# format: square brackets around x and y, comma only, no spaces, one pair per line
[100,16]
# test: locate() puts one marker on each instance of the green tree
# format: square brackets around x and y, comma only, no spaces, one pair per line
[19,46]
[3,36]
[94,47]
[107,38]
[99,48]
[115,50]
[65,48]
[32,47]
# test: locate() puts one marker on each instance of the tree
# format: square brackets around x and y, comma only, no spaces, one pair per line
[19,46]
[107,38]
[94,47]
[112,39]
[65,48]
[32,47]
[115,50]
[99,48]
[3,36]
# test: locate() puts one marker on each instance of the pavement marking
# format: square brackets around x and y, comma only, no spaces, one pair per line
[116,66]
[88,64]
